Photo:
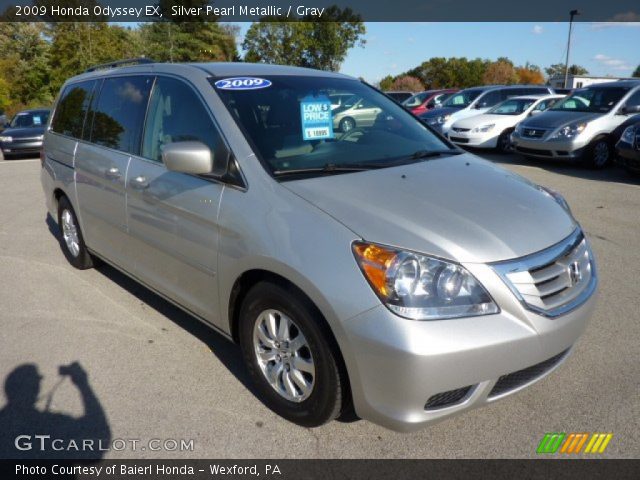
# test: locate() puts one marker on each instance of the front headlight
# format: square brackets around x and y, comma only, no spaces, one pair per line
[40,137]
[627,135]
[6,139]
[570,131]
[420,287]
[560,200]
[484,128]
[439,120]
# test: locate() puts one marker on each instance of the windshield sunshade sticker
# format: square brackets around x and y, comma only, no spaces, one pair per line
[317,120]
[242,83]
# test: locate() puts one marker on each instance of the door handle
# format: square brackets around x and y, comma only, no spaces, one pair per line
[113,173]
[140,182]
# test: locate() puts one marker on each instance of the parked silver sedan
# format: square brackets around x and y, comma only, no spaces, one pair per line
[378,268]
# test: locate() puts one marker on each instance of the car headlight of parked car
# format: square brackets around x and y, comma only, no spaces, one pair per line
[483,128]
[627,135]
[438,120]
[5,139]
[40,137]
[570,131]
[421,287]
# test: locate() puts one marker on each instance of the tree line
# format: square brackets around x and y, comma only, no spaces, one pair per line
[460,72]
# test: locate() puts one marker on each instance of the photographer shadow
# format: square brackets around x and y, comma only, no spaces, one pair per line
[29,433]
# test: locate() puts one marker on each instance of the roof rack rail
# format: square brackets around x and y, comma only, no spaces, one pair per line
[120,63]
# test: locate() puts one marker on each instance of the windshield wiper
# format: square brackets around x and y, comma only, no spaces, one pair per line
[420,154]
[330,168]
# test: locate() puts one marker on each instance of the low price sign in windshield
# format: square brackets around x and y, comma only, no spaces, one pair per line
[317,121]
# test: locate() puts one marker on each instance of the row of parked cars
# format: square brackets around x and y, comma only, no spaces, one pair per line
[588,125]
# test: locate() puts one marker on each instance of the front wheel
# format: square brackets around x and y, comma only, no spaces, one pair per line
[347,124]
[599,153]
[504,142]
[289,359]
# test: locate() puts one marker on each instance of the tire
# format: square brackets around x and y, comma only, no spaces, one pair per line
[504,142]
[347,124]
[322,399]
[598,153]
[71,239]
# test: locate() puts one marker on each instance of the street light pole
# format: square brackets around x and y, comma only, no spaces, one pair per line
[572,14]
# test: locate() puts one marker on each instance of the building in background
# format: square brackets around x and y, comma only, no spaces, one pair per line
[580,81]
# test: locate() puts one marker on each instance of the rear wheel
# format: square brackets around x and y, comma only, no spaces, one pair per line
[71,239]
[284,345]
[347,124]
[598,153]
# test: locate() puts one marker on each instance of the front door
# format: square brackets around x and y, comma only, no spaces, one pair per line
[172,217]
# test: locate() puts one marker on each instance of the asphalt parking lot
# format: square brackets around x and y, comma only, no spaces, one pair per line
[157,373]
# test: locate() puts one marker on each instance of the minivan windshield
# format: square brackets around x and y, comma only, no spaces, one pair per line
[416,99]
[30,119]
[463,99]
[294,127]
[592,99]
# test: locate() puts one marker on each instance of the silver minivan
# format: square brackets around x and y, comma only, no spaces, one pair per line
[580,127]
[379,270]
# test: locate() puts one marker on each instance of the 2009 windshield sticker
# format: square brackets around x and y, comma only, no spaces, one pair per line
[317,121]
[242,83]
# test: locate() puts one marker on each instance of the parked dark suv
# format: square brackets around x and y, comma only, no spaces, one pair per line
[23,135]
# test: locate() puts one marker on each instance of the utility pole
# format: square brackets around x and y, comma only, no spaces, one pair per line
[572,14]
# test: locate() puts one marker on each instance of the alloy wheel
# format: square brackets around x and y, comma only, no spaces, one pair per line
[283,355]
[70,233]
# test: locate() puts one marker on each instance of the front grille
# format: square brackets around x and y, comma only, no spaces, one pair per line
[446,399]
[554,281]
[533,132]
[458,129]
[26,140]
[534,151]
[517,379]
[459,140]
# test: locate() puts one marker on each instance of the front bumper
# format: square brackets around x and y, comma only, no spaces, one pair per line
[399,366]
[628,156]
[476,140]
[20,148]
[554,149]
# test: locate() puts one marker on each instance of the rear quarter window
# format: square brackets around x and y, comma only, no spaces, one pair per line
[72,108]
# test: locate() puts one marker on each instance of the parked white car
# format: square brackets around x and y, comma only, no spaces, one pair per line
[493,128]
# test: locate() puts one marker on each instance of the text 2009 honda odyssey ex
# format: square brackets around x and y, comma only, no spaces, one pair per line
[380,266]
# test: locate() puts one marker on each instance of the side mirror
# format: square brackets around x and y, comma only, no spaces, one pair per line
[188,157]
[535,112]
[630,109]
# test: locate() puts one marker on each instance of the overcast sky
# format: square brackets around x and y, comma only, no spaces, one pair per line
[392,48]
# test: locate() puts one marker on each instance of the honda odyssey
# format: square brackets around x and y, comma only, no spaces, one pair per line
[378,268]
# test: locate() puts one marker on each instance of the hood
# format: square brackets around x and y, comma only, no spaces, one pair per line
[23,132]
[436,112]
[461,208]
[487,118]
[556,119]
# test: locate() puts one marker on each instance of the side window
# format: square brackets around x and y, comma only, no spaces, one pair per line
[72,108]
[177,114]
[490,99]
[633,100]
[118,114]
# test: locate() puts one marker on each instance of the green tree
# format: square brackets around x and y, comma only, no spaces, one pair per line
[557,69]
[440,72]
[636,72]
[313,43]
[386,83]
[24,55]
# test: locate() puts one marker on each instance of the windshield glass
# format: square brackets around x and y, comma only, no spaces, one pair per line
[292,124]
[513,106]
[592,99]
[29,119]
[462,99]
[416,100]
